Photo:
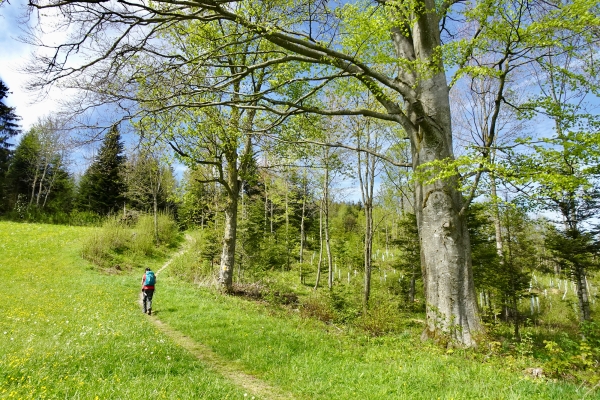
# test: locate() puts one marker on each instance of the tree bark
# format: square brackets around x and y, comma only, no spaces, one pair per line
[366,179]
[445,245]
[302,233]
[326,222]
[320,248]
[230,231]
[155,210]
[368,255]
[582,294]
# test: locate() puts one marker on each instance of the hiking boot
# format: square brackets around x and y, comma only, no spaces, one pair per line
[149,311]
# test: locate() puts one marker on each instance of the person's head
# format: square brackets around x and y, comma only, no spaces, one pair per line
[147,269]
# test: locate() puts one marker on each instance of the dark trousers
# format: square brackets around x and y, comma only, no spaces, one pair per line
[148,293]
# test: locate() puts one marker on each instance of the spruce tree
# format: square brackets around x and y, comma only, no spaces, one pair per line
[9,127]
[102,188]
[9,121]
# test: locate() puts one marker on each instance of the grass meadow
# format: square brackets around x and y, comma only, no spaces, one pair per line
[68,331]
[316,361]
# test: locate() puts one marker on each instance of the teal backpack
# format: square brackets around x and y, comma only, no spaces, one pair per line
[150,279]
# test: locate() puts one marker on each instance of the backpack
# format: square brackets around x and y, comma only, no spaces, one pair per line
[150,279]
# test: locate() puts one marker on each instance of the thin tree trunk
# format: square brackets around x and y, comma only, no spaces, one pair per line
[230,227]
[287,226]
[497,226]
[266,207]
[51,184]
[39,194]
[320,247]
[302,233]
[411,288]
[155,209]
[368,257]
[326,224]
[367,182]
[33,186]
[582,293]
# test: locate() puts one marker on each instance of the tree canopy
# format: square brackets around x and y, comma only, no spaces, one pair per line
[278,61]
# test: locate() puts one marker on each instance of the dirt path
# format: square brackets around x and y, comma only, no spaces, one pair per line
[188,242]
[253,385]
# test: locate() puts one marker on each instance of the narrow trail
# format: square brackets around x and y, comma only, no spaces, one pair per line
[188,243]
[253,385]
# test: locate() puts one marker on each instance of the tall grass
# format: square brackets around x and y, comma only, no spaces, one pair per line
[197,264]
[69,332]
[121,245]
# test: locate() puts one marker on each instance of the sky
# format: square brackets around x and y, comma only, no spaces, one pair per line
[14,55]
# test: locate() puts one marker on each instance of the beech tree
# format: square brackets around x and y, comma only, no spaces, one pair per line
[405,75]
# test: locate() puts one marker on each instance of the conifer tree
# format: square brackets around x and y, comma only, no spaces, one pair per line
[102,188]
[9,127]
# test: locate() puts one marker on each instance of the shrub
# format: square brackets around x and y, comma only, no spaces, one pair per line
[85,218]
[116,243]
[318,307]
[168,230]
[104,245]
[143,242]
[197,263]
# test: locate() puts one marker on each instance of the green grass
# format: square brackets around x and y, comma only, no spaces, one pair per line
[67,331]
[316,361]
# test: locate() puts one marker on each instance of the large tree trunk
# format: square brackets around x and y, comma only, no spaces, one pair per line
[230,230]
[445,246]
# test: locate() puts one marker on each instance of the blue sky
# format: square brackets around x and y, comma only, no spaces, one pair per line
[14,55]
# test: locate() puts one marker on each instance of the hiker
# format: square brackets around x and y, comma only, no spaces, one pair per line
[148,282]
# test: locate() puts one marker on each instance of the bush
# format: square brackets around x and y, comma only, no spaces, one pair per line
[168,230]
[115,245]
[198,263]
[85,218]
[103,247]
[143,242]
[318,307]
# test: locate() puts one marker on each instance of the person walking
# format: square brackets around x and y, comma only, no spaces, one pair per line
[148,282]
